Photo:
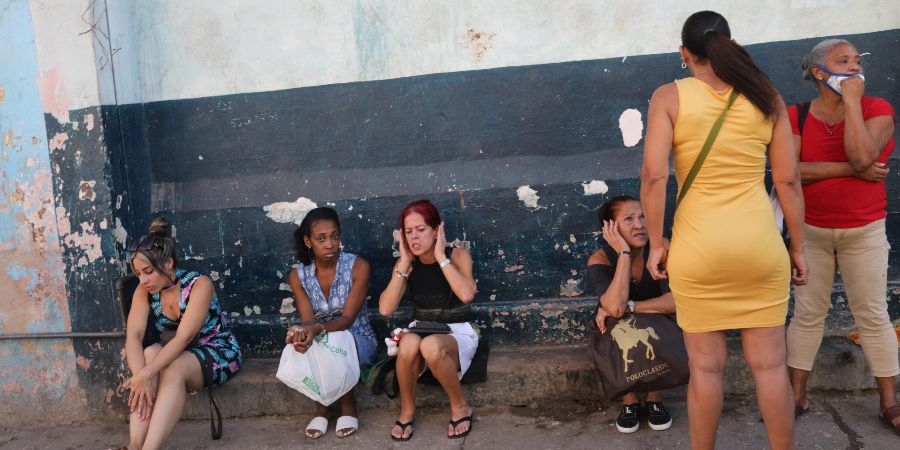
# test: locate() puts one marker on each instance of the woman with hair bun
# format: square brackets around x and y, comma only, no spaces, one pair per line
[197,350]
[329,287]
[439,280]
[727,264]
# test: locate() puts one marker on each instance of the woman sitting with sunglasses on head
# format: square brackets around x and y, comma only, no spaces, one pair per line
[197,349]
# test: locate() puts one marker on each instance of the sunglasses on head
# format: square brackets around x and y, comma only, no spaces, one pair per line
[145,244]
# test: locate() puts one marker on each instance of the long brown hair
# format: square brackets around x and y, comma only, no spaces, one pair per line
[706,34]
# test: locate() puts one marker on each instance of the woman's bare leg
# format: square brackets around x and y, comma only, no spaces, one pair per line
[409,364]
[441,352]
[766,352]
[137,428]
[184,373]
[707,354]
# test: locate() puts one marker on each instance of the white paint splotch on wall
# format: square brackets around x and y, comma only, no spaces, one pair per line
[632,127]
[289,212]
[595,187]
[528,196]
[287,305]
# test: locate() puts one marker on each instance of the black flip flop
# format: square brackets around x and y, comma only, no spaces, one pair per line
[403,427]
[456,423]
[888,416]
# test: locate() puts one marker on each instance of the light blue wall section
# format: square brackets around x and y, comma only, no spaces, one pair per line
[38,378]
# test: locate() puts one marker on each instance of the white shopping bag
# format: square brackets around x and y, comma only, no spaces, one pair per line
[327,371]
[776,208]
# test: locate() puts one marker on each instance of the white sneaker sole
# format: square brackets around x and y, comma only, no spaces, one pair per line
[662,427]
[628,430]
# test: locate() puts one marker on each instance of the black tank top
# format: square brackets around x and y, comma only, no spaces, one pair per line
[431,296]
[601,275]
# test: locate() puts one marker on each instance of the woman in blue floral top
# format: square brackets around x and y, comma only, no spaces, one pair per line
[329,288]
[197,349]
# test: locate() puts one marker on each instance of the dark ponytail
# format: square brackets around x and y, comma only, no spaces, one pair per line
[706,35]
[304,254]
[609,208]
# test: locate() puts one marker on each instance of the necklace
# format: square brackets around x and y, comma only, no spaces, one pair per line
[830,130]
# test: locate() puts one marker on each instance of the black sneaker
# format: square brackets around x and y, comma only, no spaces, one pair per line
[657,416]
[628,421]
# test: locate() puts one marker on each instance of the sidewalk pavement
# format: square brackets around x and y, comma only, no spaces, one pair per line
[845,420]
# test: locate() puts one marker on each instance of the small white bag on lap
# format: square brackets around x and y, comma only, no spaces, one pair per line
[327,371]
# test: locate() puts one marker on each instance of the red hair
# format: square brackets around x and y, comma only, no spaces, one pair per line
[423,208]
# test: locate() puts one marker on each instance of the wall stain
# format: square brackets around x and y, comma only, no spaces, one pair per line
[479,42]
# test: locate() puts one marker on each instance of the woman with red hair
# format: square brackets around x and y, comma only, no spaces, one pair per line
[438,279]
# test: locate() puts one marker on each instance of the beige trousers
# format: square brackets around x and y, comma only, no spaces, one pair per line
[861,255]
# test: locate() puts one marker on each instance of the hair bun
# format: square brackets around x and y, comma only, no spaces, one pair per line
[160,227]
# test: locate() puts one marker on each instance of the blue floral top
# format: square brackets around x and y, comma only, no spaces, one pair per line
[216,347]
[329,308]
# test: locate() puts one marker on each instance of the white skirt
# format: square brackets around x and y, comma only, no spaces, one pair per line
[466,341]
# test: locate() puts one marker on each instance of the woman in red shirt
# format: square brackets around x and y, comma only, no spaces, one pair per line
[843,148]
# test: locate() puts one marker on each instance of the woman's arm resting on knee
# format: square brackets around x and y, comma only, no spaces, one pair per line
[299,335]
[140,397]
[188,328]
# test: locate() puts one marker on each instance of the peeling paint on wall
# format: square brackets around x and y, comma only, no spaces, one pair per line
[287,306]
[595,187]
[289,212]
[632,127]
[87,241]
[528,196]
[59,141]
[54,95]
[479,42]
[86,190]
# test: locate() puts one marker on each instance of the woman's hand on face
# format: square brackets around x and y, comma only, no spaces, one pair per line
[440,243]
[406,255]
[799,271]
[853,88]
[613,238]
[875,173]
[656,263]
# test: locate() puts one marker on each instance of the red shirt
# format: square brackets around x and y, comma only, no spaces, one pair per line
[841,202]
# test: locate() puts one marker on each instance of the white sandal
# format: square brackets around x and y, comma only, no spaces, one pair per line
[318,424]
[346,423]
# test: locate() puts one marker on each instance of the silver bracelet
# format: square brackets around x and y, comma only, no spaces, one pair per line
[444,263]
[401,274]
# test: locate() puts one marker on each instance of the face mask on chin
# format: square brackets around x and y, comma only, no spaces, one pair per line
[834,80]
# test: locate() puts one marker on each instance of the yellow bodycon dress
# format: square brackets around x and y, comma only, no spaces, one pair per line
[727,264]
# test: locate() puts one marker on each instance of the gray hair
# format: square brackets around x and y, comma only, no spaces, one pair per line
[816,56]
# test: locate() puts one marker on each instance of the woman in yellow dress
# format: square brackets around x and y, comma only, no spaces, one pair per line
[730,269]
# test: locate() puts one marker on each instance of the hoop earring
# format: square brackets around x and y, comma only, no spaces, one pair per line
[683,64]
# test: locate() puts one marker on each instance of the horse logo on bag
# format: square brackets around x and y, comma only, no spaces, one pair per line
[627,336]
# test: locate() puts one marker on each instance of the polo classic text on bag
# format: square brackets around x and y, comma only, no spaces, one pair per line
[328,370]
[639,353]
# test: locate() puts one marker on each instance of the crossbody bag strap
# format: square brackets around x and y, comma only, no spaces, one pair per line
[713,133]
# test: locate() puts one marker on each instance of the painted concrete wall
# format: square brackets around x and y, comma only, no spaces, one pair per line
[517,118]
[32,271]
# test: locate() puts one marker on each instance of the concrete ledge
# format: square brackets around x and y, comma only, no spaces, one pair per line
[517,375]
